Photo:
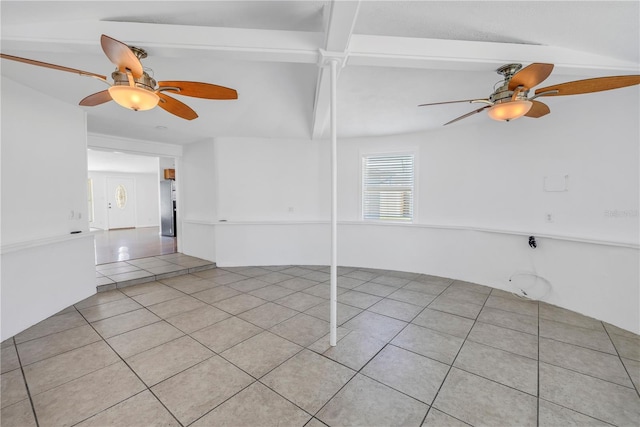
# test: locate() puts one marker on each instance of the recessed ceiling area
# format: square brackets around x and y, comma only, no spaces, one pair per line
[398,54]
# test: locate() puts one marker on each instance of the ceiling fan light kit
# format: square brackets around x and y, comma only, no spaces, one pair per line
[132,86]
[510,110]
[511,99]
[134,98]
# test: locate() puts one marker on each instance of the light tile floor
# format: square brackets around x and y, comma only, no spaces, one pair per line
[133,272]
[248,346]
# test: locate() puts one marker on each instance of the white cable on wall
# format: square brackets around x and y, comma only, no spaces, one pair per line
[529,285]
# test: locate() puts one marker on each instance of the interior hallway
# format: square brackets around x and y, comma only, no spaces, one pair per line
[131,243]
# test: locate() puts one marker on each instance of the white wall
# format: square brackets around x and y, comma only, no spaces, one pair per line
[44,198]
[147,199]
[479,195]
[196,181]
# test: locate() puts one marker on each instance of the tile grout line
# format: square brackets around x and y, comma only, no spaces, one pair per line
[137,376]
[26,384]
[359,371]
[623,365]
[454,361]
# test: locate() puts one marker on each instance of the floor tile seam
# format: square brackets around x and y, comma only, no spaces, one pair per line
[274,325]
[160,302]
[185,312]
[589,375]
[129,330]
[215,302]
[575,326]
[150,386]
[240,342]
[165,272]
[452,314]
[585,348]
[504,327]
[495,381]
[244,311]
[51,334]
[198,330]
[141,382]
[417,354]
[184,294]
[391,317]
[136,268]
[76,378]
[355,374]
[309,308]
[155,346]
[388,385]
[106,302]
[222,403]
[287,399]
[106,409]
[582,346]
[498,348]
[117,314]
[444,380]
[137,376]
[621,361]
[574,410]
[462,288]
[26,385]
[444,295]
[512,312]
[406,302]
[270,370]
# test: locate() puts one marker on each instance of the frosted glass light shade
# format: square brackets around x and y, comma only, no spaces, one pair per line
[134,98]
[510,110]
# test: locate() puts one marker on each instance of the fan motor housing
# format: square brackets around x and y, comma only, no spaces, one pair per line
[144,82]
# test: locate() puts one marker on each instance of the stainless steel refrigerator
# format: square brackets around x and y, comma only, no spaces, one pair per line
[168,208]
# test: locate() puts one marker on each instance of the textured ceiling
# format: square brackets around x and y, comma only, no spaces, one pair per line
[400,54]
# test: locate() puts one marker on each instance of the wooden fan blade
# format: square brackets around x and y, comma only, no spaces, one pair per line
[176,107]
[530,76]
[538,109]
[453,102]
[96,99]
[199,90]
[52,66]
[120,54]
[464,116]
[597,84]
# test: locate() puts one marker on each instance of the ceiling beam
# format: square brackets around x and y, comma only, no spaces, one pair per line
[162,40]
[404,52]
[342,19]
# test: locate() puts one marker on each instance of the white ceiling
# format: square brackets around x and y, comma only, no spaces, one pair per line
[399,54]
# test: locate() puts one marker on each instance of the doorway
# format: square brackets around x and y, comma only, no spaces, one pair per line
[121,197]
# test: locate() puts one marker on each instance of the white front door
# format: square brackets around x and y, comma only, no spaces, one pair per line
[121,207]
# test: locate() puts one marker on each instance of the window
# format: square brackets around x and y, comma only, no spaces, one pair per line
[387,187]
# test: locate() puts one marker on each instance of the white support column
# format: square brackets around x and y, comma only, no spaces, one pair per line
[333,60]
[334,208]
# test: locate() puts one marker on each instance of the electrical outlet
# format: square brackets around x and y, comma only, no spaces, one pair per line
[291,209]
[548,217]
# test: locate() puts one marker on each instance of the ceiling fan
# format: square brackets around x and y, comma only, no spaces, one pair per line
[132,86]
[511,99]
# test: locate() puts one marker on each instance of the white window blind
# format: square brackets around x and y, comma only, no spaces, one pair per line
[387,187]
